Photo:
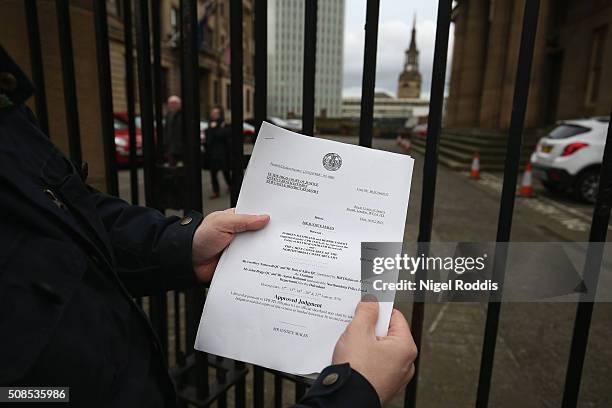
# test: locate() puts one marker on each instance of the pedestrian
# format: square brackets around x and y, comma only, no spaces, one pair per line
[73,258]
[217,149]
[173,131]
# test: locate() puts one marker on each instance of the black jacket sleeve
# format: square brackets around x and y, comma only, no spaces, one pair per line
[152,252]
[339,386]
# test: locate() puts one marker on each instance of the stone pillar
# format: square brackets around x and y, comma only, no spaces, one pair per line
[512,51]
[500,16]
[536,86]
[469,88]
[537,89]
[459,21]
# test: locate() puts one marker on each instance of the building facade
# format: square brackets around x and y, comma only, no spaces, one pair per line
[214,55]
[573,50]
[408,105]
[286,54]
[214,62]
[386,106]
[409,81]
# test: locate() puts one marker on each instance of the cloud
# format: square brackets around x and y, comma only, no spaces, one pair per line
[393,40]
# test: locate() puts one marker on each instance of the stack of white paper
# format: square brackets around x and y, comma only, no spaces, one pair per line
[281,296]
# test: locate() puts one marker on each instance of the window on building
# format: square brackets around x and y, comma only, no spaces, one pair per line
[216,93]
[228,97]
[248,100]
[115,7]
[595,64]
[164,84]
[174,19]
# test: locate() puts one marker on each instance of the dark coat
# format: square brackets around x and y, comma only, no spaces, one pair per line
[217,147]
[173,134]
[72,258]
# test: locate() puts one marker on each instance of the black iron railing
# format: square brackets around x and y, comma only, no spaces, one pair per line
[434,126]
[191,368]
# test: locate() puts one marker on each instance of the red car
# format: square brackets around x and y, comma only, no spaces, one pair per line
[420,131]
[122,139]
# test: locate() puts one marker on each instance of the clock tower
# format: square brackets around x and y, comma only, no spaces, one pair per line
[409,82]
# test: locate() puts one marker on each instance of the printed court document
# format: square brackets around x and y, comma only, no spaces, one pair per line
[281,297]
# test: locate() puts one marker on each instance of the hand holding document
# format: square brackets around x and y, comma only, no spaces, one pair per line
[281,297]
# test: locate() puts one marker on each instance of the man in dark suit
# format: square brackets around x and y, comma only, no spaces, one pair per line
[72,259]
[173,131]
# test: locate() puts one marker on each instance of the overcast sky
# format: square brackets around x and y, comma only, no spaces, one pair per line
[395,24]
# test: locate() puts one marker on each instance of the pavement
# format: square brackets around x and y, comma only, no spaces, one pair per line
[534,338]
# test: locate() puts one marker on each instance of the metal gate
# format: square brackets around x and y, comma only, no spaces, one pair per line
[142,18]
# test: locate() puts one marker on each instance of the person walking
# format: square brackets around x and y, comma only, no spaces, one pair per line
[217,149]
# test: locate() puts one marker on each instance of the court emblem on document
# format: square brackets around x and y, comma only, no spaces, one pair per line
[332,161]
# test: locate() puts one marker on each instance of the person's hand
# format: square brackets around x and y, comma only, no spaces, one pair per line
[386,362]
[214,235]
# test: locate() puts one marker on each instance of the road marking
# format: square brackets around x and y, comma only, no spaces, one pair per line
[439,316]
[570,218]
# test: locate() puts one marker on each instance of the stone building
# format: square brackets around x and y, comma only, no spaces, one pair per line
[386,106]
[573,51]
[213,61]
[408,108]
[409,82]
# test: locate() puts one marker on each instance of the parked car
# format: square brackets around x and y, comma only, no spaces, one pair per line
[294,124]
[122,139]
[278,122]
[569,157]
[419,131]
[248,129]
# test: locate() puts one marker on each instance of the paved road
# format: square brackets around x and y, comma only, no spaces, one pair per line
[534,339]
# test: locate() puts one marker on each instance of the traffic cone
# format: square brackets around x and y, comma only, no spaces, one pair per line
[526,189]
[475,169]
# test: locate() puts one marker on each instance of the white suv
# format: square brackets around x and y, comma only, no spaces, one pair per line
[569,157]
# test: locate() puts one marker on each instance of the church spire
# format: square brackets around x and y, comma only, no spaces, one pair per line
[413,37]
[409,83]
[412,53]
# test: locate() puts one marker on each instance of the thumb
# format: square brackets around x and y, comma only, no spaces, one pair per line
[235,223]
[398,326]
[366,315]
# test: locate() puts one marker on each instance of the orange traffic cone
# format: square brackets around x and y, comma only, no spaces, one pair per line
[526,189]
[475,169]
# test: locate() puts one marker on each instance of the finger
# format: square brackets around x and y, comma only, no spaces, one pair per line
[398,326]
[235,223]
[364,321]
